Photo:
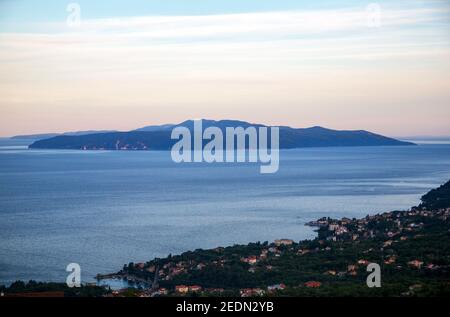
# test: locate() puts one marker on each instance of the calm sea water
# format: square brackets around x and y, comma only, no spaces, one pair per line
[104,209]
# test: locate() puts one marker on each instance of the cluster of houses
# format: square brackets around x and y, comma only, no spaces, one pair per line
[184,289]
[171,269]
[355,229]
[390,228]
[246,292]
[398,226]
[267,252]
[254,292]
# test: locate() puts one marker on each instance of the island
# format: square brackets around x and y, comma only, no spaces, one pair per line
[158,138]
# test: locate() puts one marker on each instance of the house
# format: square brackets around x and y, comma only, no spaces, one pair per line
[415,287]
[201,266]
[387,243]
[363,262]
[263,254]
[251,292]
[281,242]
[140,266]
[276,287]
[351,268]
[333,227]
[313,284]
[415,264]
[250,260]
[341,230]
[177,270]
[431,266]
[246,292]
[182,289]
[195,288]
[163,291]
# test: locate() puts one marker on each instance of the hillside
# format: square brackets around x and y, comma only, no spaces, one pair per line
[158,138]
[437,198]
[412,248]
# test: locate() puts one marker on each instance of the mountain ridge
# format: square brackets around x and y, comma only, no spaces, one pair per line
[40,136]
[159,137]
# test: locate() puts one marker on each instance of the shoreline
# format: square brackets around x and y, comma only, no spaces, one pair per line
[388,236]
[187,273]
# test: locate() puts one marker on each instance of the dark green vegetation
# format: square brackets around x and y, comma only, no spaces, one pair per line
[437,198]
[158,138]
[35,289]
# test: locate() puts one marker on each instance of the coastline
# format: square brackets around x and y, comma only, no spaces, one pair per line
[411,246]
[384,239]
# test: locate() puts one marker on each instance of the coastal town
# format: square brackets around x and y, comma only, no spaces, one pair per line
[412,245]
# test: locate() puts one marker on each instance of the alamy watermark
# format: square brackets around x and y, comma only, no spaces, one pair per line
[374,278]
[373,15]
[250,144]
[74,16]
[74,278]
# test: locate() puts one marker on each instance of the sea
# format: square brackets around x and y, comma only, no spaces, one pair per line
[103,209]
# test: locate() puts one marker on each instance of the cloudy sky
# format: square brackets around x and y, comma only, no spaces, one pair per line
[381,66]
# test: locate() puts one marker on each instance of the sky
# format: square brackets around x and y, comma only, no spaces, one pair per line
[380,66]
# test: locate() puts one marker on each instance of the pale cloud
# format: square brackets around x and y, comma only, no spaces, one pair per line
[313,67]
[336,34]
[251,24]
